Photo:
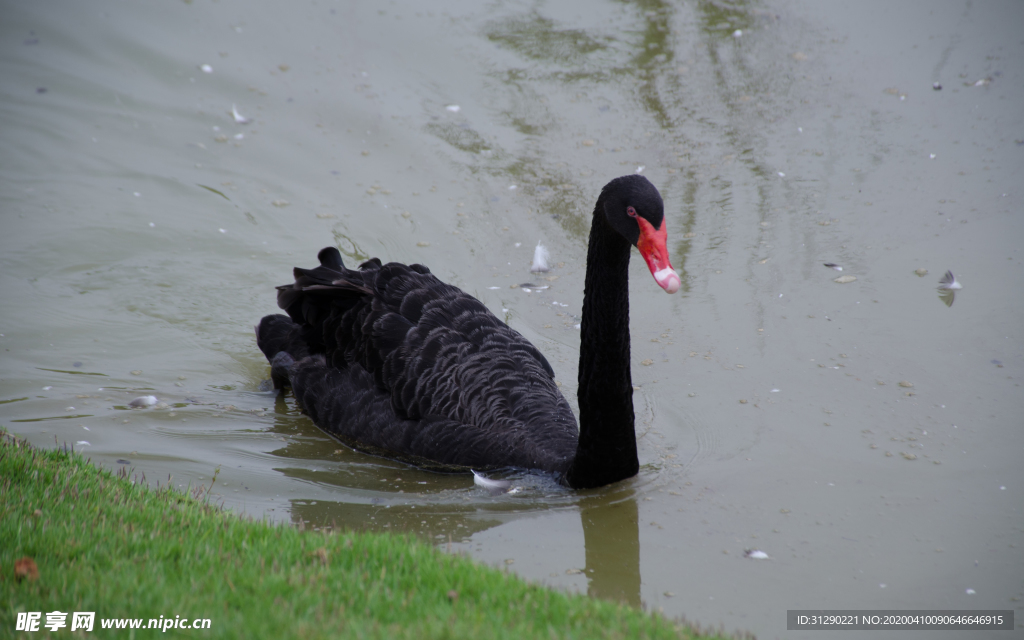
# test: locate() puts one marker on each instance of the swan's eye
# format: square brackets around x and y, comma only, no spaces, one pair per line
[631,212]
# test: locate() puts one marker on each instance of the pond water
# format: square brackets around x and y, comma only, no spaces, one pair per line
[166,165]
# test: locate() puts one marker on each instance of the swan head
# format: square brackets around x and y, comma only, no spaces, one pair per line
[652,246]
[634,208]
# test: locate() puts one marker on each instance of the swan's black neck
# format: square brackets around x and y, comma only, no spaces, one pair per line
[607,446]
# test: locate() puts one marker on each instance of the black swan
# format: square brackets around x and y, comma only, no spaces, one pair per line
[392,361]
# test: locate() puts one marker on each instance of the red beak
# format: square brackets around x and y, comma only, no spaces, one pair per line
[652,247]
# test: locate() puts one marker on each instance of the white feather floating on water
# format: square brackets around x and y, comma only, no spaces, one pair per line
[143,401]
[239,118]
[948,281]
[481,480]
[540,259]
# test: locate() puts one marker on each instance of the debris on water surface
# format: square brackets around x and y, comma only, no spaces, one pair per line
[481,480]
[921,272]
[205,68]
[948,281]
[832,265]
[454,108]
[495,487]
[239,118]
[947,295]
[936,86]
[756,554]
[143,401]
[908,456]
[906,385]
[845,279]
[540,259]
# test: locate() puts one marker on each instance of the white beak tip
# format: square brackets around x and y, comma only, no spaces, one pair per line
[668,279]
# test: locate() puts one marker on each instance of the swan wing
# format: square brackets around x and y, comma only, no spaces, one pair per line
[461,386]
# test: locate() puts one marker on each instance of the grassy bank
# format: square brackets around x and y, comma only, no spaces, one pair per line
[101,543]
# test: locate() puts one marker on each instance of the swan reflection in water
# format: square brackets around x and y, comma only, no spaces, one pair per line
[611,532]
[385,496]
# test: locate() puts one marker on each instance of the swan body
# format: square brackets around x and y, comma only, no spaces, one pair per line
[392,361]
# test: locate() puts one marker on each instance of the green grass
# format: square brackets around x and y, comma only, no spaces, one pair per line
[123,550]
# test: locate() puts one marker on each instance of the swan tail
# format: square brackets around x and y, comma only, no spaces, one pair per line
[282,342]
[280,368]
[321,295]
